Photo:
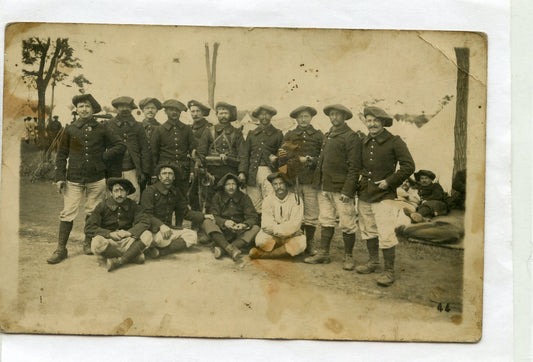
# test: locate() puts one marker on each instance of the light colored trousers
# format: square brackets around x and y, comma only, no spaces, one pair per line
[294,244]
[261,189]
[74,192]
[330,205]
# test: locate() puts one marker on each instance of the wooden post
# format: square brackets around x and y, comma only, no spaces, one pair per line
[211,68]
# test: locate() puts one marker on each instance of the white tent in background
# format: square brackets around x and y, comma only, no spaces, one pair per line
[247,123]
[432,146]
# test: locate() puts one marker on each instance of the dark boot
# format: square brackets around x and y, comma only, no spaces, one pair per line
[387,277]
[310,237]
[322,257]
[373,262]
[87,245]
[257,253]
[233,252]
[239,244]
[174,246]
[221,244]
[65,227]
[349,242]
[129,256]
[111,251]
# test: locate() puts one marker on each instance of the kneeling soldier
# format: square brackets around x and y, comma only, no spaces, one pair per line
[281,221]
[235,217]
[161,200]
[118,227]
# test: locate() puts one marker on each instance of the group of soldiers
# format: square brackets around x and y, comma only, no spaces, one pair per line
[264,194]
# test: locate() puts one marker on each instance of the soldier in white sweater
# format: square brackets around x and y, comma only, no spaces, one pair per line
[281,222]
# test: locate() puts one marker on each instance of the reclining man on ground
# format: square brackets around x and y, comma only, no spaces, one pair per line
[281,222]
[235,217]
[161,201]
[118,228]
[432,198]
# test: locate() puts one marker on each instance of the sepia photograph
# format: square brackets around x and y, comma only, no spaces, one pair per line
[231,182]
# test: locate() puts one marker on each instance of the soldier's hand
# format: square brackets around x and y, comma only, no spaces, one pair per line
[115,235]
[165,231]
[382,185]
[229,224]
[223,157]
[60,186]
[191,177]
[345,199]
[123,234]
[282,153]
[242,178]
[209,217]
[272,158]
[303,159]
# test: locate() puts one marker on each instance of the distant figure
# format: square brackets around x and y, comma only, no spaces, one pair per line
[27,129]
[52,130]
[432,197]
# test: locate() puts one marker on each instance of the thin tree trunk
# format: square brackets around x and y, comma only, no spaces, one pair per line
[460,129]
[41,115]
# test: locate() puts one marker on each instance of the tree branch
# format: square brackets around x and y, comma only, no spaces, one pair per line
[208,68]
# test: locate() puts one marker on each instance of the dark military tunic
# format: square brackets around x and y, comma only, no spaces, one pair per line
[149,126]
[260,144]
[109,216]
[91,149]
[161,203]
[338,166]
[309,143]
[238,207]
[199,128]
[380,156]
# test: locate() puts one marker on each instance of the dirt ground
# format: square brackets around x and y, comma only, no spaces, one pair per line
[192,294]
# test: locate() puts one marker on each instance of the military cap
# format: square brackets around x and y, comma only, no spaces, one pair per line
[173,103]
[281,175]
[87,97]
[297,111]
[380,114]
[340,108]
[55,117]
[128,101]
[144,102]
[269,109]
[126,184]
[230,107]
[205,109]
[427,173]
[229,176]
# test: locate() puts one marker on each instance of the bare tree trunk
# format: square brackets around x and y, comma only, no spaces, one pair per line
[41,116]
[460,129]
[211,69]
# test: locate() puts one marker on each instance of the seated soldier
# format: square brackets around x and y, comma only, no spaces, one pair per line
[235,217]
[408,193]
[161,201]
[118,227]
[432,197]
[281,222]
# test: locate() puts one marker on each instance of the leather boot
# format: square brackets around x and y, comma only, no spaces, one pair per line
[257,253]
[233,252]
[87,245]
[373,262]
[387,277]
[174,246]
[111,251]
[322,257]
[349,242]
[61,253]
[130,255]
[239,244]
[220,244]
[309,238]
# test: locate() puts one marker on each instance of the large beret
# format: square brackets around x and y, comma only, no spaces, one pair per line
[340,108]
[230,107]
[173,103]
[125,100]
[205,109]
[144,102]
[269,109]
[229,176]
[126,184]
[281,175]
[427,173]
[297,111]
[87,97]
[378,113]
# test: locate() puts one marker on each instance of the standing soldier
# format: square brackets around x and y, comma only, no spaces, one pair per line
[173,143]
[88,148]
[261,147]
[221,147]
[150,107]
[52,130]
[336,176]
[136,164]
[200,127]
[381,153]
[305,142]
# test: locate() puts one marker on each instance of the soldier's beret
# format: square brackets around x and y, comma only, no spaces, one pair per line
[230,107]
[55,117]
[297,111]
[281,175]
[126,184]
[145,102]
[205,109]
[87,97]
[427,173]
[127,101]
[340,108]
[269,109]
[173,103]
[380,114]
[174,168]
[229,176]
